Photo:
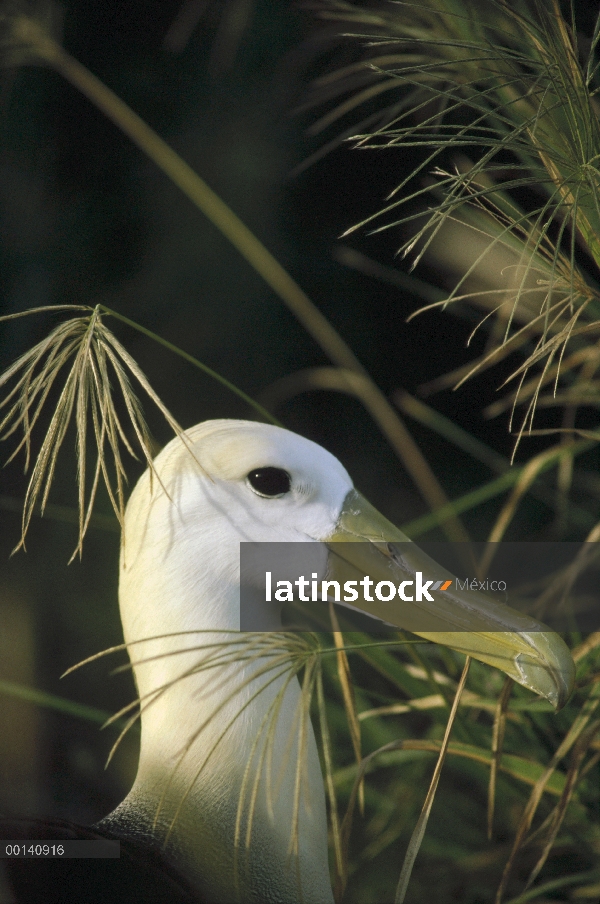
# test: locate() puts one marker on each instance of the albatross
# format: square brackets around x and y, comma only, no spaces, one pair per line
[204,714]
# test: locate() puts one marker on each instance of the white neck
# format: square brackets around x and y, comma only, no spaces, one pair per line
[194,770]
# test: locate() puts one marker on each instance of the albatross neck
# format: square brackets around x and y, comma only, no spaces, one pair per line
[218,781]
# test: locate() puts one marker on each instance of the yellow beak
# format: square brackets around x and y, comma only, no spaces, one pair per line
[366,543]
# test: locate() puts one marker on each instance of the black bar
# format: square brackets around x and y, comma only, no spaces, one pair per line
[46,850]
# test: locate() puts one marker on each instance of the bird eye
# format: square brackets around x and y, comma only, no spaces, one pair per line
[269,482]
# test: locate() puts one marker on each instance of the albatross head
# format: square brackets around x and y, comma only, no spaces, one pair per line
[219,780]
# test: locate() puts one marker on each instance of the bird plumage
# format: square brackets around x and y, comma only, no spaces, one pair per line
[180,571]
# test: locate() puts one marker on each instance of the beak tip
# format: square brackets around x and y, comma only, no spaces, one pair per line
[564,687]
[552,675]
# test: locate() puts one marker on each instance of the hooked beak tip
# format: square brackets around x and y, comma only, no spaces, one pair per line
[552,675]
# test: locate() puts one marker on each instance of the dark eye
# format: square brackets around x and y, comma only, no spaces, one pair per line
[269,482]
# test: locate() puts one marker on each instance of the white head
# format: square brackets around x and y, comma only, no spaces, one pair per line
[182,530]
[180,572]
